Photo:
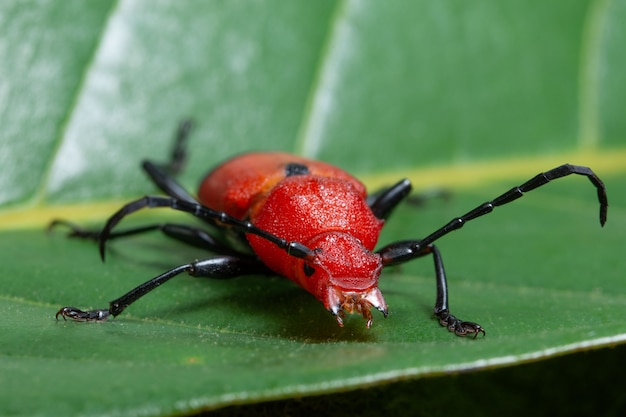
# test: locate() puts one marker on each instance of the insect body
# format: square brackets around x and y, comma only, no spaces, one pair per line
[315,204]
[306,220]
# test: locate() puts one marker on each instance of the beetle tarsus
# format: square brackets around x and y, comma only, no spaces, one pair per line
[80,315]
[74,230]
[459,327]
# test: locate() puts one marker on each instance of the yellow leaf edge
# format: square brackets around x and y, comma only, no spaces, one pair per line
[605,162]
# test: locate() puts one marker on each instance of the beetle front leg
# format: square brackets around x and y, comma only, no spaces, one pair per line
[77,314]
[404,251]
[442,311]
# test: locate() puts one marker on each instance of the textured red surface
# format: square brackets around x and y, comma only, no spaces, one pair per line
[324,209]
[239,185]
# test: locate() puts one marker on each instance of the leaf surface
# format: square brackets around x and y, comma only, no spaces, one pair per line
[475,98]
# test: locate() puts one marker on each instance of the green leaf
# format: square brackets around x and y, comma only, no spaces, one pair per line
[476,97]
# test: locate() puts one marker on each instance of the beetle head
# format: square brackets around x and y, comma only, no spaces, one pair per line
[344,276]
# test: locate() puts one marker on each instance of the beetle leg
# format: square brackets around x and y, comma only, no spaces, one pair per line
[420,199]
[383,203]
[76,230]
[80,315]
[442,309]
[166,182]
[193,236]
[292,248]
[222,267]
[178,156]
[79,232]
[404,251]
[162,175]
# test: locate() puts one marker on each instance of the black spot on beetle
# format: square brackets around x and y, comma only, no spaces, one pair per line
[308,270]
[296,169]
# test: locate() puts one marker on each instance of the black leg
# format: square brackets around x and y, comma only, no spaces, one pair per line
[162,174]
[193,236]
[296,249]
[222,267]
[166,182]
[199,238]
[80,232]
[442,308]
[420,199]
[397,253]
[178,156]
[383,203]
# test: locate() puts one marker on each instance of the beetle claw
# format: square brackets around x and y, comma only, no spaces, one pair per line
[80,315]
[459,327]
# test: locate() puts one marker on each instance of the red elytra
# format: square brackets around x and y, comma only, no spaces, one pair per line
[324,208]
[306,220]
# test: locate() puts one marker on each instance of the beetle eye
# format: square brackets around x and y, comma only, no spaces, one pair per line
[308,270]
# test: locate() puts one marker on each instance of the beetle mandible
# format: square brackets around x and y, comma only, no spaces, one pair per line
[306,220]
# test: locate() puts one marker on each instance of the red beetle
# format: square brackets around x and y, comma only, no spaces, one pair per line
[306,220]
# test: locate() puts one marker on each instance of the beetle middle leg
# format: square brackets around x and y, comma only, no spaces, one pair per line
[191,235]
